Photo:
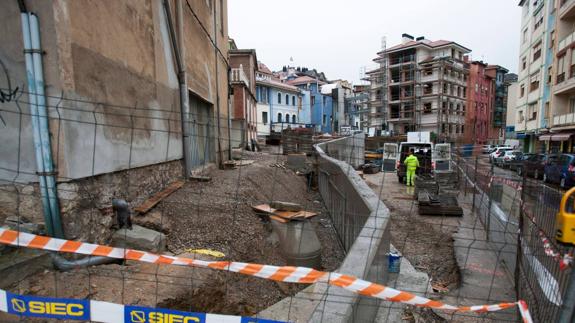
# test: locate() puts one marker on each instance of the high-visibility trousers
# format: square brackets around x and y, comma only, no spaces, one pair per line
[411,176]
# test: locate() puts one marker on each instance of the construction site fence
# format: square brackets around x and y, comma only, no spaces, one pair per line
[361,222]
[519,216]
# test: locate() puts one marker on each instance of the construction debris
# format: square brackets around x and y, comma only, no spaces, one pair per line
[438,195]
[286,206]
[156,198]
[244,162]
[229,164]
[280,215]
[201,178]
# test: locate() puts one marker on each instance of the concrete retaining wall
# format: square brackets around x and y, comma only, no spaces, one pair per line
[362,223]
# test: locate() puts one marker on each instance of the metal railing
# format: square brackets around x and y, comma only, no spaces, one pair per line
[238,75]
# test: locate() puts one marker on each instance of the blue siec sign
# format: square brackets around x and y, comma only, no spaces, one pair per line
[137,314]
[47,307]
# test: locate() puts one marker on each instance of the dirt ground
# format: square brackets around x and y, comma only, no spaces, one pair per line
[214,215]
[426,241]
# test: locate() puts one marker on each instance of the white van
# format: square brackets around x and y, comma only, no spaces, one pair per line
[432,158]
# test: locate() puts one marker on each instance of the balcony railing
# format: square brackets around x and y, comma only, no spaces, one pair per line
[564,119]
[238,75]
[565,42]
[566,8]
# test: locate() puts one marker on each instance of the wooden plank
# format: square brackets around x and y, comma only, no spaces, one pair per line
[287,214]
[279,219]
[156,198]
[264,208]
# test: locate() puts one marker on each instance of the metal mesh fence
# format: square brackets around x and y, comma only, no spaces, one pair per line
[103,152]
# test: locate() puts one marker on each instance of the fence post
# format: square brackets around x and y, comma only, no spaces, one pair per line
[490,201]
[519,255]
[567,314]
[474,186]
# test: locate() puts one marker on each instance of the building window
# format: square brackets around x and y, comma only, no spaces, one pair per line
[524,63]
[312,100]
[549,75]
[538,20]
[264,117]
[324,101]
[427,108]
[520,116]
[279,98]
[552,39]
[287,99]
[524,37]
[279,117]
[293,100]
[532,111]
[522,90]
[324,119]
[293,119]
[560,69]
[287,117]
[536,51]
[534,82]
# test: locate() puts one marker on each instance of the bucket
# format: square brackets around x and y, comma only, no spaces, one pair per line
[393,262]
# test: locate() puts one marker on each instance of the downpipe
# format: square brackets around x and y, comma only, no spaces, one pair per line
[40,127]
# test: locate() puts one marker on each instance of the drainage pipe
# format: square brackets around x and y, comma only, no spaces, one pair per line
[40,127]
[178,51]
[65,264]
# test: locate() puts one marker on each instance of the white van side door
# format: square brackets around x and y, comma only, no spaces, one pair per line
[390,157]
[441,158]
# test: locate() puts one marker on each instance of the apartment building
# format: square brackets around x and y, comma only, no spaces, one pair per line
[421,85]
[562,116]
[535,73]
[480,99]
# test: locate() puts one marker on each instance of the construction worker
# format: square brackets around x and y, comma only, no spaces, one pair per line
[411,163]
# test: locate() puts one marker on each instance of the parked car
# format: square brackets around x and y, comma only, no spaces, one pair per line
[498,152]
[503,159]
[517,163]
[534,166]
[487,149]
[560,171]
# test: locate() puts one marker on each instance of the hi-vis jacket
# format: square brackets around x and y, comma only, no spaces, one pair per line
[411,162]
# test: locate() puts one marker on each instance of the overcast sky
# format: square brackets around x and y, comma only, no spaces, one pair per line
[339,37]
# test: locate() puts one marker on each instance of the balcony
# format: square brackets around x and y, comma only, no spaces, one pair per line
[564,119]
[566,42]
[566,9]
[237,75]
[564,86]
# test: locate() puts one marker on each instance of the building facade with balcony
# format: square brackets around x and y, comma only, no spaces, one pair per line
[480,99]
[535,73]
[562,114]
[498,113]
[243,67]
[422,86]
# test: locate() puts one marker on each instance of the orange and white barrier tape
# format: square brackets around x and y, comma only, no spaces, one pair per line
[287,274]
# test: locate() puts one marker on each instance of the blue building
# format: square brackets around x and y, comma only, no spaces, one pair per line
[279,104]
[320,105]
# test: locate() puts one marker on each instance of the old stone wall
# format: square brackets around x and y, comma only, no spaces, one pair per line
[86,203]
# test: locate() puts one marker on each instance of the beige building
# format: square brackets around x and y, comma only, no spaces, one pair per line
[115,95]
[420,86]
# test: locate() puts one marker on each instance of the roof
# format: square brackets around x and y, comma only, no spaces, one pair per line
[303,80]
[497,67]
[263,68]
[423,42]
[277,84]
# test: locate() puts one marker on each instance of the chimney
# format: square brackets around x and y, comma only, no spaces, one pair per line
[419,38]
[406,38]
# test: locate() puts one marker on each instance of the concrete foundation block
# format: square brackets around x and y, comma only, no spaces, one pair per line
[139,238]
